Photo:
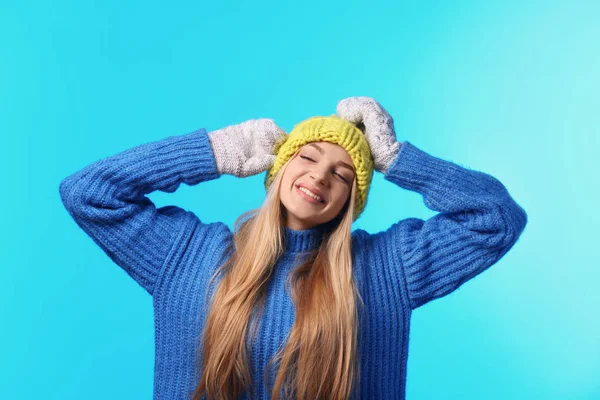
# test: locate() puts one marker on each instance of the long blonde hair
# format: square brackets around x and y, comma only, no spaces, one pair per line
[319,360]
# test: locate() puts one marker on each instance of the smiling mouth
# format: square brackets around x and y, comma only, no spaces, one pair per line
[308,198]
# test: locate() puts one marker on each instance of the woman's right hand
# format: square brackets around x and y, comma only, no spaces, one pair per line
[248,148]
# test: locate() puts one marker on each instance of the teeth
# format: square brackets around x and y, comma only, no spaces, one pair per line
[311,194]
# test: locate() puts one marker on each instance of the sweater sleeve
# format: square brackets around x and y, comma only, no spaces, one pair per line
[478,222]
[107,200]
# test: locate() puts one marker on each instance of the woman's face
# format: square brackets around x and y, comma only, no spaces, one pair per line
[323,168]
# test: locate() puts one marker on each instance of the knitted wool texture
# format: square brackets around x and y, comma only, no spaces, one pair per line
[334,130]
[173,253]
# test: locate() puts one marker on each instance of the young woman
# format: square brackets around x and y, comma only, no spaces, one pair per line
[292,303]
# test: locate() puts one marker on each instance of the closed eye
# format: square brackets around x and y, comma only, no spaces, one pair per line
[341,176]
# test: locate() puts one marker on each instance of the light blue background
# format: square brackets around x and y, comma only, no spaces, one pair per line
[508,88]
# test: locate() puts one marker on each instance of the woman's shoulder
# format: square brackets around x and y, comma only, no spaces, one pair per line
[214,230]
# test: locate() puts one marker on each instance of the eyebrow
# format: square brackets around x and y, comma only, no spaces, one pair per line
[341,163]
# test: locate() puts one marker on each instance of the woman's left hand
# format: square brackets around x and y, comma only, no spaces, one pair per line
[378,128]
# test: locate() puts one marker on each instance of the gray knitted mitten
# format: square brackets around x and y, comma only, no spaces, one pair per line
[378,128]
[246,149]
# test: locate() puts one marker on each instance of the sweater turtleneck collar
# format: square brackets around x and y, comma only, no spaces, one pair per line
[305,240]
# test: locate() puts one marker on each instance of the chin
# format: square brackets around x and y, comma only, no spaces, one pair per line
[304,216]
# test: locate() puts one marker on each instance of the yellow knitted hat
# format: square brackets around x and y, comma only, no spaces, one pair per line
[334,130]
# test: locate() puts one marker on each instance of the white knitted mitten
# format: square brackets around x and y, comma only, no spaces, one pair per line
[246,149]
[378,128]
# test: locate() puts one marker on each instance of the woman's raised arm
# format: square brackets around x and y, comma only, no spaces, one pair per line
[107,200]
[478,222]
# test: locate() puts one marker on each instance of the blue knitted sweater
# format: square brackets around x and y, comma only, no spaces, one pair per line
[172,254]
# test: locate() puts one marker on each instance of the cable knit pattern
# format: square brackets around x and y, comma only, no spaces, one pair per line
[172,254]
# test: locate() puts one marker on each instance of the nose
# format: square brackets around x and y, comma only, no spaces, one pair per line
[319,174]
